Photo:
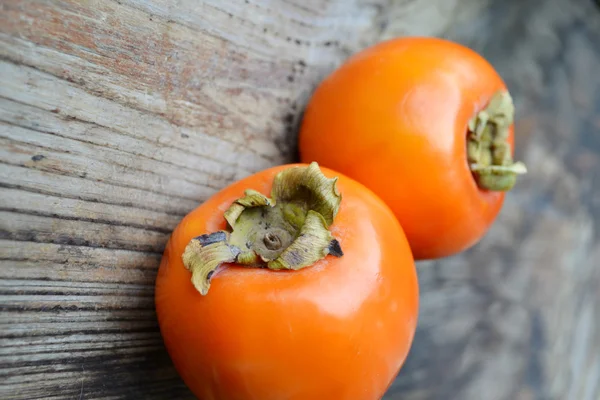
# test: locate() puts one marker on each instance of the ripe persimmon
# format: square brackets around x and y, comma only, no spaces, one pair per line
[310,293]
[425,123]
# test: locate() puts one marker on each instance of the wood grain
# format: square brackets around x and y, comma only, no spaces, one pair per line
[119,117]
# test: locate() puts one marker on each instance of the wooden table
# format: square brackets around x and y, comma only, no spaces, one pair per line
[119,117]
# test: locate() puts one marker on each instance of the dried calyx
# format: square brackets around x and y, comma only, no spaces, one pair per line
[488,150]
[289,230]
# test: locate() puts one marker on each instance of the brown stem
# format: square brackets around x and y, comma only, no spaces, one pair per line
[290,230]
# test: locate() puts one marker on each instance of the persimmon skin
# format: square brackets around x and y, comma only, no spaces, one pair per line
[339,329]
[394,117]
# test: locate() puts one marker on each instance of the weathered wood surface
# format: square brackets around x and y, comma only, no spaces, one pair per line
[118,117]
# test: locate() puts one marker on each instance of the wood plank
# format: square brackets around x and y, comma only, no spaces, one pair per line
[121,149]
[32,203]
[62,161]
[48,92]
[37,181]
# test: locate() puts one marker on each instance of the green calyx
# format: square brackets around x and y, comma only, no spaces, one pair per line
[488,151]
[289,230]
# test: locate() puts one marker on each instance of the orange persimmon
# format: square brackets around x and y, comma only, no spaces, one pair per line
[316,294]
[425,123]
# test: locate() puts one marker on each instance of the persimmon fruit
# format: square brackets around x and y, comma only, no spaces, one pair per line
[425,123]
[310,293]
